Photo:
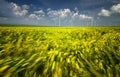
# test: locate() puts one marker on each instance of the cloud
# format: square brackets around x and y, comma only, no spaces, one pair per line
[67,13]
[104,12]
[40,14]
[75,15]
[115,8]
[23,14]
[68,17]
[62,13]
[52,13]
[19,11]
[83,16]
[33,16]
[48,9]
[25,7]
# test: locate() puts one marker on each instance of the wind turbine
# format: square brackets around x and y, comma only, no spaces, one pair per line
[59,20]
[92,21]
[71,22]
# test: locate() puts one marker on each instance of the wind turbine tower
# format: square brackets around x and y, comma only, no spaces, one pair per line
[59,21]
[92,21]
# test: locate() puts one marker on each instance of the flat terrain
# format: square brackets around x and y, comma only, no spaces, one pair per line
[59,51]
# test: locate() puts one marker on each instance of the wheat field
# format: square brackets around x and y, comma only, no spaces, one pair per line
[59,51]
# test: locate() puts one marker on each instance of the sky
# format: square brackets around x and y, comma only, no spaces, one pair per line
[60,12]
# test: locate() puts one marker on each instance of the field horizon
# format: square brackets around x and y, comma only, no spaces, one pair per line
[26,25]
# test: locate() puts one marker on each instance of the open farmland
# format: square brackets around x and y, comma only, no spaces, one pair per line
[59,51]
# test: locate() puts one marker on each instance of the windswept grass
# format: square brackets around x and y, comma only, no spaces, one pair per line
[59,51]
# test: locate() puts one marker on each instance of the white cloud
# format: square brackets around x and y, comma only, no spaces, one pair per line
[67,13]
[48,9]
[76,9]
[33,16]
[63,13]
[19,11]
[115,8]
[49,16]
[53,13]
[83,16]
[75,15]
[104,12]
[67,17]
[37,15]
[40,13]
[25,6]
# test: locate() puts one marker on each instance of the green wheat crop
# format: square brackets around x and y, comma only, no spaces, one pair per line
[59,51]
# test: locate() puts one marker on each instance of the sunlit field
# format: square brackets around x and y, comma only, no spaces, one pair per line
[59,51]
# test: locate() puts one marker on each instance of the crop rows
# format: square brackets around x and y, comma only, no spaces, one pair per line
[59,52]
